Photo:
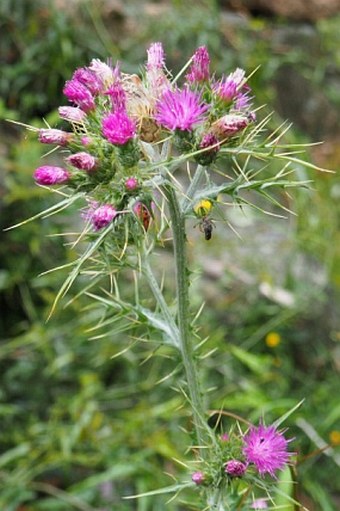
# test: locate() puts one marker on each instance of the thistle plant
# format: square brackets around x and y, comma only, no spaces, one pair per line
[145,156]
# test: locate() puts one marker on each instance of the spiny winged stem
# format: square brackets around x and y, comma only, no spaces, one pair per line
[183,316]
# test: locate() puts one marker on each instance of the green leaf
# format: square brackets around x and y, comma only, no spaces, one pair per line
[256,363]
[169,489]
[284,500]
[18,452]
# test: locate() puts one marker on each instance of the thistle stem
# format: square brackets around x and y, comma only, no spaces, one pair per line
[183,316]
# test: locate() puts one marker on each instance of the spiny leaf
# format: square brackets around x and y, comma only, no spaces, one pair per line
[162,491]
[56,208]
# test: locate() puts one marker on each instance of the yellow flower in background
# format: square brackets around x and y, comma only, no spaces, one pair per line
[203,207]
[334,437]
[272,339]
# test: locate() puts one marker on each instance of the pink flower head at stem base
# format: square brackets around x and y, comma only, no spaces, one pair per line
[199,69]
[267,449]
[180,109]
[118,128]
[49,175]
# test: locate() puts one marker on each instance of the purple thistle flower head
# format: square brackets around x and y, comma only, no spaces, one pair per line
[82,161]
[226,89]
[79,94]
[198,477]
[229,88]
[49,175]
[259,504]
[52,136]
[266,448]
[235,468]
[156,58]
[118,128]
[237,77]
[71,114]
[102,216]
[88,78]
[199,69]
[180,109]
[243,101]
[117,95]
[102,71]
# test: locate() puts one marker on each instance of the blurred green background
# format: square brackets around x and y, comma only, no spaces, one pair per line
[79,427]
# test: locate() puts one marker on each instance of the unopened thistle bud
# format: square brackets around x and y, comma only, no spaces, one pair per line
[235,468]
[79,94]
[259,504]
[155,57]
[199,69]
[86,140]
[49,175]
[52,136]
[131,184]
[88,78]
[211,146]
[102,216]
[229,125]
[82,161]
[157,81]
[71,114]
[198,477]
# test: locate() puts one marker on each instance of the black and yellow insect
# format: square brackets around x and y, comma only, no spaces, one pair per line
[206,226]
[202,210]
